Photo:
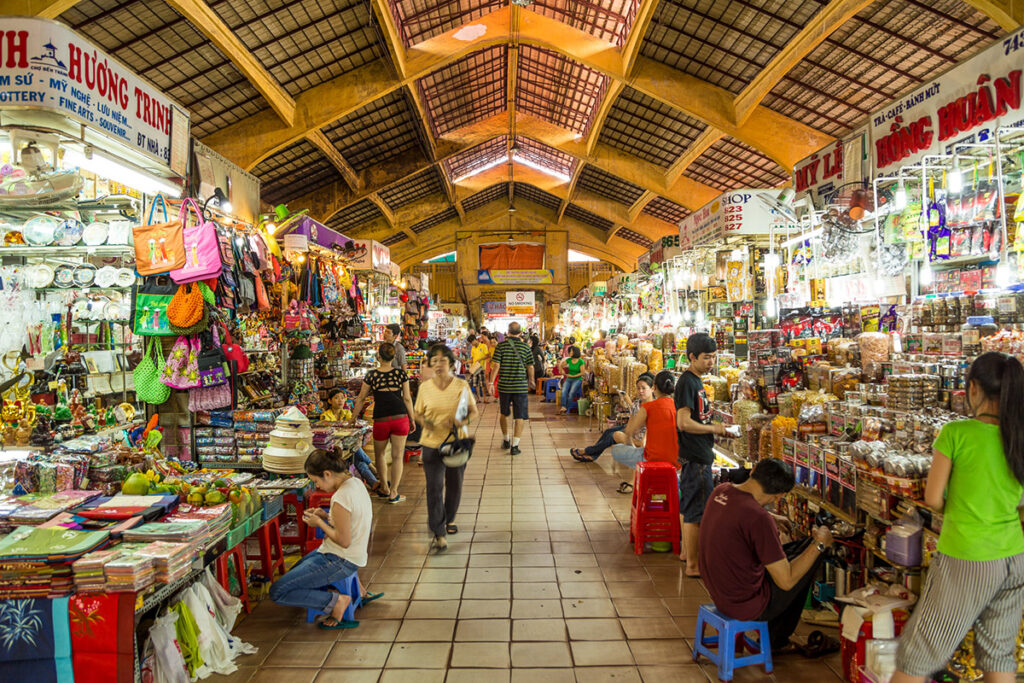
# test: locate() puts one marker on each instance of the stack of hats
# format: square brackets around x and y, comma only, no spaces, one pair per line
[291,442]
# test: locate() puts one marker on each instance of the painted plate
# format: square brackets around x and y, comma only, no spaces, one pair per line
[69,233]
[39,231]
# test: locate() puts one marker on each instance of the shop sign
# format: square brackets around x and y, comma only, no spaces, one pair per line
[372,255]
[46,65]
[599,288]
[515,277]
[520,303]
[494,307]
[821,174]
[965,105]
[740,212]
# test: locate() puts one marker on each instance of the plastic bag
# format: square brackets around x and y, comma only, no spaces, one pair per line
[217,647]
[227,606]
[169,663]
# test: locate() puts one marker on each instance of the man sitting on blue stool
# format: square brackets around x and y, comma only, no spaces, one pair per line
[745,568]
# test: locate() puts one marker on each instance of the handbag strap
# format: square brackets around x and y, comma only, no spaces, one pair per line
[183,212]
[152,207]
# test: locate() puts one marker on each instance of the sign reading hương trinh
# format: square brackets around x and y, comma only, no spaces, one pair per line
[46,65]
[965,105]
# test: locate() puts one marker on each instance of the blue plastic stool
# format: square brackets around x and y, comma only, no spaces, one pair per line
[732,637]
[550,389]
[348,586]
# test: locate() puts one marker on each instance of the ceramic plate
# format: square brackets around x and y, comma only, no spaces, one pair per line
[39,231]
[64,276]
[125,277]
[84,275]
[41,275]
[106,276]
[112,311]
[95,234]
[69,233]
[81,309]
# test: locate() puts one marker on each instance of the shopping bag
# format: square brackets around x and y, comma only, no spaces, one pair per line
[186,307]
[146,375]
[159,247]
[181,371]
[202,249]
[149,306]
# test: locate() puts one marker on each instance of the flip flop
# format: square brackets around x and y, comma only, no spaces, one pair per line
[370,597]
[625,487]
[451,529]
[344,623]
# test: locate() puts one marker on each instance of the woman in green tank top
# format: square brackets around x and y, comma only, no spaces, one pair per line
[573,367]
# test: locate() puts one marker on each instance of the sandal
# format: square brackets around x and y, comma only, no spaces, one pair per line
[625,487]
[440,544]
[343,623]
[819,645]
[370,597]
[578,455]
[451,529]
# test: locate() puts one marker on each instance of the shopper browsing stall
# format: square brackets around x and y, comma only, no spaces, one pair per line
[602,341]
[512,364]
[392,416]
[437,409]
[616,435]
[750,575]
[696,443]
[976,579]
[573,367]
[539,366]
[346,529]
[659,419]
[335,413]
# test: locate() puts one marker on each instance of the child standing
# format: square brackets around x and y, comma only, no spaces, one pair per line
[346,531]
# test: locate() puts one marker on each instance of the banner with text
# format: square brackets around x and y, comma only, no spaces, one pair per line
[515,277]
[740,212]
[520,303]
[46,65]
[823,173]
[966,104]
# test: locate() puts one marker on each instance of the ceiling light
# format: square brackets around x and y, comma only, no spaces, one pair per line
[470,33]
[121,172]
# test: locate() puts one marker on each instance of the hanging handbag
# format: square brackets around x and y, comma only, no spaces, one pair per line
[262,300]
[234,353]
[211,360]
[186,307]
[181,370]
[150,300]
[202,254]
[209,398]
[159,247]
[201,326]
[146,375]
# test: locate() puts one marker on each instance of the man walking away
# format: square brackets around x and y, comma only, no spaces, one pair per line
[512,363]
[393,335]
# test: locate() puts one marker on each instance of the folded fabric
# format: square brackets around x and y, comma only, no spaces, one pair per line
[101,637]
[35,641]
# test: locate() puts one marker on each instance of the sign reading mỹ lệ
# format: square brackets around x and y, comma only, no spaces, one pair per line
[821,174]
[739,212]
[965,105]
[46,65]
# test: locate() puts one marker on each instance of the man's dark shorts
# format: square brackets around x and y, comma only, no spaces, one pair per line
[695,485]
[518,404]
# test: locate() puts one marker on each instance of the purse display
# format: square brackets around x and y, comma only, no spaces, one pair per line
[159,247]
[202,248]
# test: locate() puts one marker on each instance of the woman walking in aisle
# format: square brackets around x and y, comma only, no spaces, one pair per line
[392,416]
[659,416]
[573,368]
[614,435]
[438,406]
[976,579]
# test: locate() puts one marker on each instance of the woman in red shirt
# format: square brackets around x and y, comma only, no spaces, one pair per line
[659,417]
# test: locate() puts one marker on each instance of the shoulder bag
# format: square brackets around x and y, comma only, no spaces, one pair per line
[202,249]
[159,247]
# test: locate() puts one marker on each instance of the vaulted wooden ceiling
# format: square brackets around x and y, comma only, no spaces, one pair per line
[406,119]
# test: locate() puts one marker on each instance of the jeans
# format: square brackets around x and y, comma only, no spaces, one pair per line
[444,491]
[362,464]
[628,455]
[604,442]
[305,585]
[570,388]
[785,607]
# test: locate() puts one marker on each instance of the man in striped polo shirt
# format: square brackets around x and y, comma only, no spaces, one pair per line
[513,364]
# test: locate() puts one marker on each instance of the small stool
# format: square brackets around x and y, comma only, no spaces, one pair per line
[316,499]
[730,642]
[655,511]
[298,504]
[412,452]
[550,387]
[238,556]
[348,586]
[269,538]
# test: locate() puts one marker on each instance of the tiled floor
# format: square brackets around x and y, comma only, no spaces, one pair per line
[540,584]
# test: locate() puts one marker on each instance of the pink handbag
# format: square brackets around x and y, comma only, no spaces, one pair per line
[202,251]
[181,370]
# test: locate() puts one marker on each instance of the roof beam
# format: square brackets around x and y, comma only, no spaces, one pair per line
[386,20]
[821,26]
[1009,14]
[318,139]
[631,50]
[449,191]
[421,111]
[638,206]
[610,95]
[47,9]
[202,16]
[703,142]
[611,233]
[571,190]
[255,137]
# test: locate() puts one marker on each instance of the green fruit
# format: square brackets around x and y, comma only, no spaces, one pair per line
[221,483]
[195,499]
[135,485]
[215,498]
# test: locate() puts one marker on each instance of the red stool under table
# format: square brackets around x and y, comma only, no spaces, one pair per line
[294,501]
[316,499]
[271,551]
[414,452]
[655,512]
[238,556]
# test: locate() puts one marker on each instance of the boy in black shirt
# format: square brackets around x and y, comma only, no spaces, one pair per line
[696,442]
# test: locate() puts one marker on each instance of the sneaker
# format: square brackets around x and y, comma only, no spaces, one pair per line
[397,499]
[505,443]
[515,451]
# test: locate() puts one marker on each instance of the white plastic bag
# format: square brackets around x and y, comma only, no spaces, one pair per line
[218,648]
[227,606]
[169,663]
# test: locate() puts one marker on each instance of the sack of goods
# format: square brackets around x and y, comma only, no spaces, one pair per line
[291,442]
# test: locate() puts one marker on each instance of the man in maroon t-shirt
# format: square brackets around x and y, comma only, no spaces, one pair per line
[742,561]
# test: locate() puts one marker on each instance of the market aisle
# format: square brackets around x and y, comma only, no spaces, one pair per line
[540,584]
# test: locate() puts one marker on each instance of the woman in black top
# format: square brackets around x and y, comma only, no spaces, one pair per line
[393,415]
[538,356]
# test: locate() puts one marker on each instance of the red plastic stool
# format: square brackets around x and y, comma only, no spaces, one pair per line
[655,512]
[222,573]
[299,505]
[269,538]
[412,453]
[316,499]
